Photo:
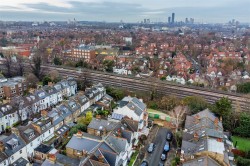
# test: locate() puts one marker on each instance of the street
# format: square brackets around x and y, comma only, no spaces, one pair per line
[160,140]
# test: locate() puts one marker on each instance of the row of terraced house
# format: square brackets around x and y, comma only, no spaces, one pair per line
[58,105]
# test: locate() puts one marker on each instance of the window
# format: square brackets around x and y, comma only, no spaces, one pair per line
[20,151]
[4,162]
[31,144]
[12,157]
[49,131]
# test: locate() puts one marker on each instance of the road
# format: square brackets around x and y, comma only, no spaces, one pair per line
[155,158]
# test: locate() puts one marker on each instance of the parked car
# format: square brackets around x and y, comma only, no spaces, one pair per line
[151,147]
[169,136]
[144,163]
[166,147]
[161,164]
[163,156]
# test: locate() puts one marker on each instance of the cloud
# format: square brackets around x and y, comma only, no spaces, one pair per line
[129,10]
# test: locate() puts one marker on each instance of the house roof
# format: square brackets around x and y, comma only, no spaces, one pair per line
[202,161]
[6,109]
[12,144]
[133,104]
[101,124]
[20,162]
[83,143]
[119,144]
[62,160]
[3,157]
[132,125]
[28,133]
[42,148]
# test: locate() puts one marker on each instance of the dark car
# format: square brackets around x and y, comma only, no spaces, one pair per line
[163,156]
[169,136]
[144,163]
[151,147]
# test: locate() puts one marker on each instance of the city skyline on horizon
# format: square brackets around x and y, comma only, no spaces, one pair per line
[129,11]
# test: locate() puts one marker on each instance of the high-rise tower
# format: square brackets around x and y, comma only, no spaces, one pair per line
[173,15]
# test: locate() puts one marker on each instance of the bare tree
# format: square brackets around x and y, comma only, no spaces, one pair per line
[8,65]
[20,65]
[32,80]
[54,75]
[36,65]
[178,114]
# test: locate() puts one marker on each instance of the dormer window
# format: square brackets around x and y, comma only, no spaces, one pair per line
[31,135]
[13,143]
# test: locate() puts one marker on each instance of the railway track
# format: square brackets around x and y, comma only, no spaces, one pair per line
[143,84]
[160,87]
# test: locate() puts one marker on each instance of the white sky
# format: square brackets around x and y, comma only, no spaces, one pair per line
[129,10]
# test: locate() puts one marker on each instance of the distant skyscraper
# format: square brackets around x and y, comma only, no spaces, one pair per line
[186,21]
[173,15]
[191,20]
[145,20]
[169,20]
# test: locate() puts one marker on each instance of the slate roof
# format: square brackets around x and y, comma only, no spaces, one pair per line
[12,139]
[201,161]
[55,115]
[49,90]
[20,162]
[42,148]
[82,144]
[26,133]
[64,83]
[117,143]
[64,111]
[58,87]
[132,125]
[3,157]
[41,94]
[73,106]
[62,160]
[44,123]
[62,130]
[100,124]
[109,156]
[133,104]
[82,99]
[203,132]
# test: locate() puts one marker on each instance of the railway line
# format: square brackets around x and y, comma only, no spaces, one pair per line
[146,85]
[163,88]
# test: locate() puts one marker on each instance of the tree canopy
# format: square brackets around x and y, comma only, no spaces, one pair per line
[243,88]
[195,103]
[244,125]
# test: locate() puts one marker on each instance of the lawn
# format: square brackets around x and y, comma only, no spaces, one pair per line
[133,158]
[242,143]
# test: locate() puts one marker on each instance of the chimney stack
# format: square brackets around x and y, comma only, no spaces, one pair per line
[44,113]
[2,147]
[101,158]
[98,116]
[79,134]
[52,158]
[119,133]
[216,121]
[196,136]
[197,119]
[15,131]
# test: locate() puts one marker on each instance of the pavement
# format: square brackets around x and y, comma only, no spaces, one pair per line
[154,158]
[143,150]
